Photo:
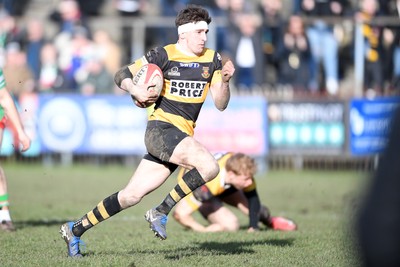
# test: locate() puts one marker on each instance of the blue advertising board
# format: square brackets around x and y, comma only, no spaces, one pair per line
[369,124]
[101,124]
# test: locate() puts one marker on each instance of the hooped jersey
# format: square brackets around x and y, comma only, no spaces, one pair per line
[187,80]
[2,86]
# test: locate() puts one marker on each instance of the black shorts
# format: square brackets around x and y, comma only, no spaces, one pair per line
[161,139]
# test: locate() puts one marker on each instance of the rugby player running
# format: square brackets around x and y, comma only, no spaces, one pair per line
[190,70]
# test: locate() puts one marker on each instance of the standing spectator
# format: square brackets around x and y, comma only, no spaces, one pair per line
[51,78]
[91,7]
[294,55]
[16,71]
[168,8]
[96,79]
[72,54]
[373,74]
[245,46]
[68,16]
[9,32]
[392,65]
[246,50]
[15,7]
[221,11]
[128,9]
[109,51]
[272,31]
[324,45]
[32,40]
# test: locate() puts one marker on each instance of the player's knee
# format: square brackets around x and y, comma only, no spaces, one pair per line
[212,171]
[231,226]
[128,199]
[176,216]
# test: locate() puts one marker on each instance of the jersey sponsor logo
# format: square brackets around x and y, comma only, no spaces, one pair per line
[206,72]
[189,65]
[139,75]
[189,89]
[174,72]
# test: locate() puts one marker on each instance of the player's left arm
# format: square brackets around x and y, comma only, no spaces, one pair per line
[254,208]
[219,88]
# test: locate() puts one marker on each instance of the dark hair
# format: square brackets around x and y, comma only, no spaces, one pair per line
[192,13]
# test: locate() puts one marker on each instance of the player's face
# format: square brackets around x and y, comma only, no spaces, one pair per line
[196,40]
[241,181]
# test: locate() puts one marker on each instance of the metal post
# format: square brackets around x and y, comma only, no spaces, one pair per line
[139,37]
[358,60]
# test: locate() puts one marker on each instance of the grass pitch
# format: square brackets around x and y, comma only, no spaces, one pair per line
[321,202]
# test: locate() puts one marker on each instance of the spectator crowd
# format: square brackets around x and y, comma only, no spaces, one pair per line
[301,47]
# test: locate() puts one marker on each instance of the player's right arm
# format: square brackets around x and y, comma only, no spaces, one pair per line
[123,79]
[12,114]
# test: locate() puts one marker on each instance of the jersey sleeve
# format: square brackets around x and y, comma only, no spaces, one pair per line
[217,77]
[2,80]
[254,208]
[254,204]
[157,56]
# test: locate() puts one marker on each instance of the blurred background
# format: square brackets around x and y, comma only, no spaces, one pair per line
[316,81]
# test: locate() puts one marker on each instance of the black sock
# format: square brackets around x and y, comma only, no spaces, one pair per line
[104,210]
[189,182]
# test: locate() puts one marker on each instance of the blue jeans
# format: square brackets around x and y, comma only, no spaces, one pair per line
[396,61]
[324,47]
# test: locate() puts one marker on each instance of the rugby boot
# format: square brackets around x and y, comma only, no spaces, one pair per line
[157,222]
[73,242]
[282,224]
[7,226]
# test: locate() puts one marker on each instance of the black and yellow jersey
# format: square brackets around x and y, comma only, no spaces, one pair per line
[217,186]
[187,80]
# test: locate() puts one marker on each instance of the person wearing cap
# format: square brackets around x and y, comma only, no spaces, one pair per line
[190,71]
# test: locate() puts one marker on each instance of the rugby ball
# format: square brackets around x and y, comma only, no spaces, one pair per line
[152,74]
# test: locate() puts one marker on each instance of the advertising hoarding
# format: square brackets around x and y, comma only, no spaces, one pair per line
[241,127]
[306,127]
[369,124]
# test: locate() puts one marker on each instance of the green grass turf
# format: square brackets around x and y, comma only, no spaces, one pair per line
[42,198]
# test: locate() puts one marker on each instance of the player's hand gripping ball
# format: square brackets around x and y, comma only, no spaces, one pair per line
[149,74]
